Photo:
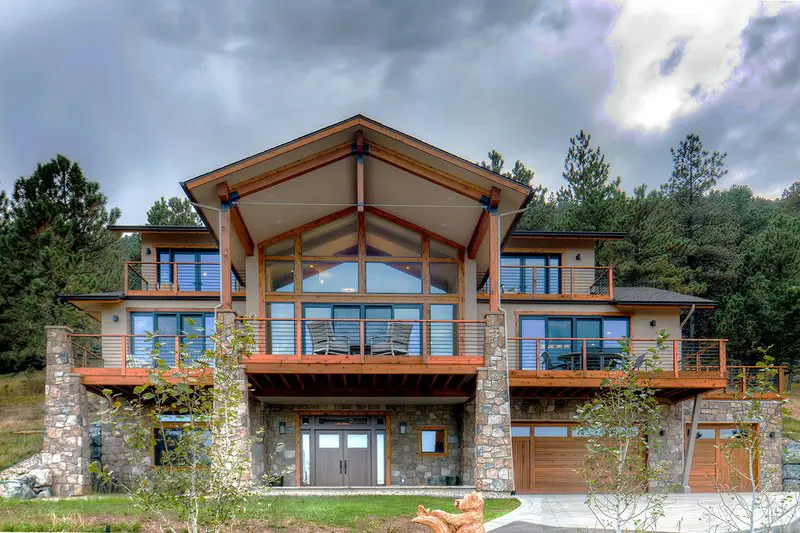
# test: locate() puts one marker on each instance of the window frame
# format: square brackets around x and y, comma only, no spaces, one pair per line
[443,429]
[548,267]
[179,316]
[198,252]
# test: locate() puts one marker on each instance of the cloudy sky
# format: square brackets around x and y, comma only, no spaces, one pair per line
[146,94]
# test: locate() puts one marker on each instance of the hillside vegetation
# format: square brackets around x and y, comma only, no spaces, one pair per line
[21,415]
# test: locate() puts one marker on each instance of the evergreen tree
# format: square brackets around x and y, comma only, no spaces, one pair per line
[53,241]
[520,173]
[591,200]
[173,212]
[790,199]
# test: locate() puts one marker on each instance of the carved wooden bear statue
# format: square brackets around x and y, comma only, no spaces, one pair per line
[470,520]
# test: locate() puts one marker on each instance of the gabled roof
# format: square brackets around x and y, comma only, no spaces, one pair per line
[597,235]
[652,296]
[366,123]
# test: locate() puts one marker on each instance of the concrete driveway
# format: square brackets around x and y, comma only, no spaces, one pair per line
[569,511]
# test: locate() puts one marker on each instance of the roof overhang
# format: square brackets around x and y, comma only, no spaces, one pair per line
[591,235]
[312,176]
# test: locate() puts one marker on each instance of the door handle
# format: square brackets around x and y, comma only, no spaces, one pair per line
[345,466]
[340,467]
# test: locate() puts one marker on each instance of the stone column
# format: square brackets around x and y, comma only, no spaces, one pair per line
[232,436]
[493,455]
[669,447]
[66,450]
[468,442]
[258,451]
[125,463]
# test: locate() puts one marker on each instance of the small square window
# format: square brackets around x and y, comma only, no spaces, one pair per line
[432,441]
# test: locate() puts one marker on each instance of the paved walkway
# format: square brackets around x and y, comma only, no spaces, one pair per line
[683,513]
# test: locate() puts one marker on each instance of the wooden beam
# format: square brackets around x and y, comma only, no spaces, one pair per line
[225,259]
[483,225]
[360,170]
[494,264]
[293,170]
[426,172]
[237,221]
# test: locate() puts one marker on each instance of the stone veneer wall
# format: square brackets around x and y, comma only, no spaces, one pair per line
[125,463]
[407,466]
[468,442]
[544,409]
[258,452]
[66,448]
[493,453]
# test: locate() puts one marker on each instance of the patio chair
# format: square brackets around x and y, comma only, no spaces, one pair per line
[396,341]
[550,365]
[637,364]
[324,341]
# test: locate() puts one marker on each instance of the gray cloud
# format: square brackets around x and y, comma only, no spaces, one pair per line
[668,65]
[146,94]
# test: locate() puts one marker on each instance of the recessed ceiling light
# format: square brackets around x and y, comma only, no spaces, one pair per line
[444,224]
[279,222]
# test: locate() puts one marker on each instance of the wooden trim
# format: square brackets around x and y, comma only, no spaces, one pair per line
[360,170]
[225,259]
[175,246]
[339,297]
[413,227]
[293,170]
[308,226]
[239,226]
[426,172]
[482,226]
[532,251]
[420,429]
[557,314]
[494,265]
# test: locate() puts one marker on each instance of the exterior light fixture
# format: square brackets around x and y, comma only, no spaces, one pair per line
[578,257]
[402,428]
[115,318]
[148,251]
[282,428]
[653,323]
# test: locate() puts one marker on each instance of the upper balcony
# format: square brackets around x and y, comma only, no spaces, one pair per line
[526,282]
[572,367]
[175,278]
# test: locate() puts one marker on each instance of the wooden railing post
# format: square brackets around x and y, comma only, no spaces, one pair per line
[584,357]
[177,349]
[744,381]
[124,346]
[610,283]
[675,357]
[298,337]
[572,283]
[781,380]
[722,358]
[175,278]
[362,332]
[125,276]
[536,356]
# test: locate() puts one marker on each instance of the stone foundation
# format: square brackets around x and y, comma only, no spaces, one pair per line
[66,446]
[125,463]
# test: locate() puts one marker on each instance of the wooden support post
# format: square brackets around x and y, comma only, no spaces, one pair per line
[781,381]
[723,359]
[361,339]
[360,170]
[124,346]
[584,358]
[494,264]
[675,370]
[225,258]
[177,349]
[611,283]
[687,460]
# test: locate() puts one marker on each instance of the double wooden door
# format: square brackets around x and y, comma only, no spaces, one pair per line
[343,458]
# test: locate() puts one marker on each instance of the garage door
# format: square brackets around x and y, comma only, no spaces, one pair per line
[709,464]
[547,458]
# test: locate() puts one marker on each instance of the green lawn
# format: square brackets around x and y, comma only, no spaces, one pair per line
[21,416]
[349,513]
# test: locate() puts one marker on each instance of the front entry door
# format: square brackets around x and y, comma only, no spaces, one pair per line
[343,459]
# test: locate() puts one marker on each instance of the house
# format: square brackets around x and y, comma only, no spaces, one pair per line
[385,354]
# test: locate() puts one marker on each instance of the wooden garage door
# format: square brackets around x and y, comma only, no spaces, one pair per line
[709,466]
[547,458]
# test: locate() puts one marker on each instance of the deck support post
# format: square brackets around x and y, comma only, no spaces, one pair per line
[66,447]
[687,460]
[494,470]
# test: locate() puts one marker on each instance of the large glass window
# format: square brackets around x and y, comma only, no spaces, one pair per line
[196,270]
[535,273]
[191,330]
[394,278]
[328,276]
[335,239]
[279,276]
[177,445]
[559,347]
[280,333]
[444,278]
[387,239]
[443,334]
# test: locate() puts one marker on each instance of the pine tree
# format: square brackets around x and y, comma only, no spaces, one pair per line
[173,212]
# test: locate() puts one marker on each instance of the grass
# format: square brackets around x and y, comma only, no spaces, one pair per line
[21,416]
[348,513]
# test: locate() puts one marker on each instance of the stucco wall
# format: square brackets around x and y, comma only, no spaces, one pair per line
[153,241]
[568,248]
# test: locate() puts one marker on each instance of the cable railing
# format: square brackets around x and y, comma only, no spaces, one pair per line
[359,339]
[760,380]
[89,350]
[678,356]
[553,282]
[174,277]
